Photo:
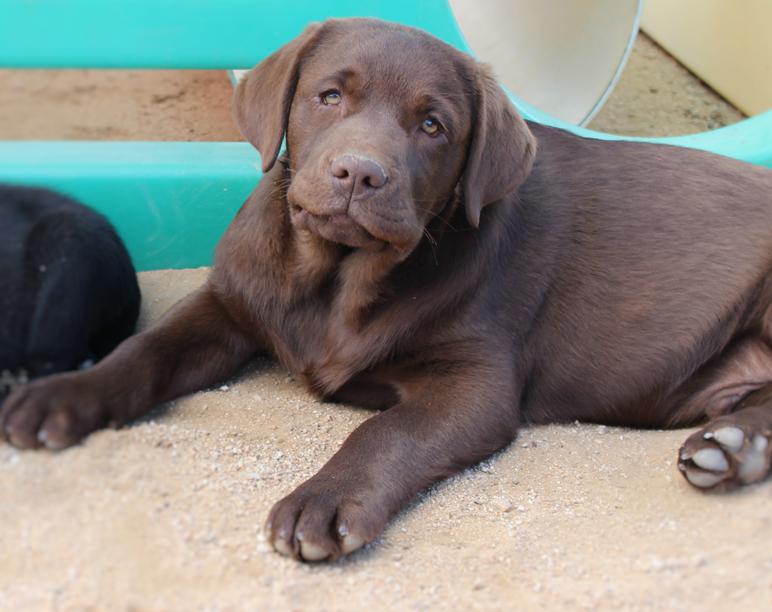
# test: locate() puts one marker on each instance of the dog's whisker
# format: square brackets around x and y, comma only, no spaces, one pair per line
[432,244]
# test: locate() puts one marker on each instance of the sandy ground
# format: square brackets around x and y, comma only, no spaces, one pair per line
[656,96]
[167,514]
[116,105]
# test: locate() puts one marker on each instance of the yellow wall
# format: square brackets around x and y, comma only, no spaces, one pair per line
[727,43]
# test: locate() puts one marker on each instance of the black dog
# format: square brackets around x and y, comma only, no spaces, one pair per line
[68,289]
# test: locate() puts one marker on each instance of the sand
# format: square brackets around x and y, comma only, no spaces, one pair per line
[167,514]
[116,105]
[655,96]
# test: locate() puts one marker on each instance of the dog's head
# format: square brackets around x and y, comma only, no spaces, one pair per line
[383,123]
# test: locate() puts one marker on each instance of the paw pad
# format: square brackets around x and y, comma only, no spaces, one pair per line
[725,455]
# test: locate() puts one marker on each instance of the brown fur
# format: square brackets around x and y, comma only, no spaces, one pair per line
[504,273]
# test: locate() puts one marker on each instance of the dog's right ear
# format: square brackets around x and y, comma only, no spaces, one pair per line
[262,99]
[502,150]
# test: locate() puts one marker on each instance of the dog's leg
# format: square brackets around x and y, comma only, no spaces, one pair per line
[193,346]
[732,450]
[735,394]
[444,422]
[715,390]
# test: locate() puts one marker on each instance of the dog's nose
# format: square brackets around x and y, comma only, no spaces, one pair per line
[357,175]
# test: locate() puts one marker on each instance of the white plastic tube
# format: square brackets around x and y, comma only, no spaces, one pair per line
[562,56]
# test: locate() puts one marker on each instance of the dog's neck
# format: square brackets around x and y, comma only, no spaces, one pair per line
[345,300]
[357,275]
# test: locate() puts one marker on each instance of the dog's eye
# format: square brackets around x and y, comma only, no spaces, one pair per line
[331,98]
[430,126]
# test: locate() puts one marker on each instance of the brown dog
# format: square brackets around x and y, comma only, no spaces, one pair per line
[423,251]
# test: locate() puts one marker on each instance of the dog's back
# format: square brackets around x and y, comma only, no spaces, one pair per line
[665,256]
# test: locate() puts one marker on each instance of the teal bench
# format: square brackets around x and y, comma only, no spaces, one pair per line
[171,201]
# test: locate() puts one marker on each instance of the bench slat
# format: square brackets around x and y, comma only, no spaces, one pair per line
[214,34]
[170,201]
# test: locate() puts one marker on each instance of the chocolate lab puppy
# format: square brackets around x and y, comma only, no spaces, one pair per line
[423,251]
[69,290]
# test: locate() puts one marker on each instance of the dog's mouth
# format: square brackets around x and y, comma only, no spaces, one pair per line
[337,227]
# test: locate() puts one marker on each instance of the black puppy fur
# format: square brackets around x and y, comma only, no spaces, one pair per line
[68,289]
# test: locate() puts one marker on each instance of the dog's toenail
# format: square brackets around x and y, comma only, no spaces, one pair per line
[312,552]
[342,530]
[731,438]
[283,548]
[711,459]
[42,436]
[54,445]
[351,543]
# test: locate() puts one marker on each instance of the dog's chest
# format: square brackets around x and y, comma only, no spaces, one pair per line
[319,346]
[334,332]
[314,306]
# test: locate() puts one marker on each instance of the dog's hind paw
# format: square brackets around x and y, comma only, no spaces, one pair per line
[731,451]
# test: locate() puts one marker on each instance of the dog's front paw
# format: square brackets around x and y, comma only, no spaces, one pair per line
[325,518]
[55,412]
[731,451]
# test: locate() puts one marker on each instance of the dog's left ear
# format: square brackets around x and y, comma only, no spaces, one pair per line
[262,100]
[502,149]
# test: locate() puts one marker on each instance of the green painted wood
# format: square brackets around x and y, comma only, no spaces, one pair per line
[170,201]
[749,140]
[183,33]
